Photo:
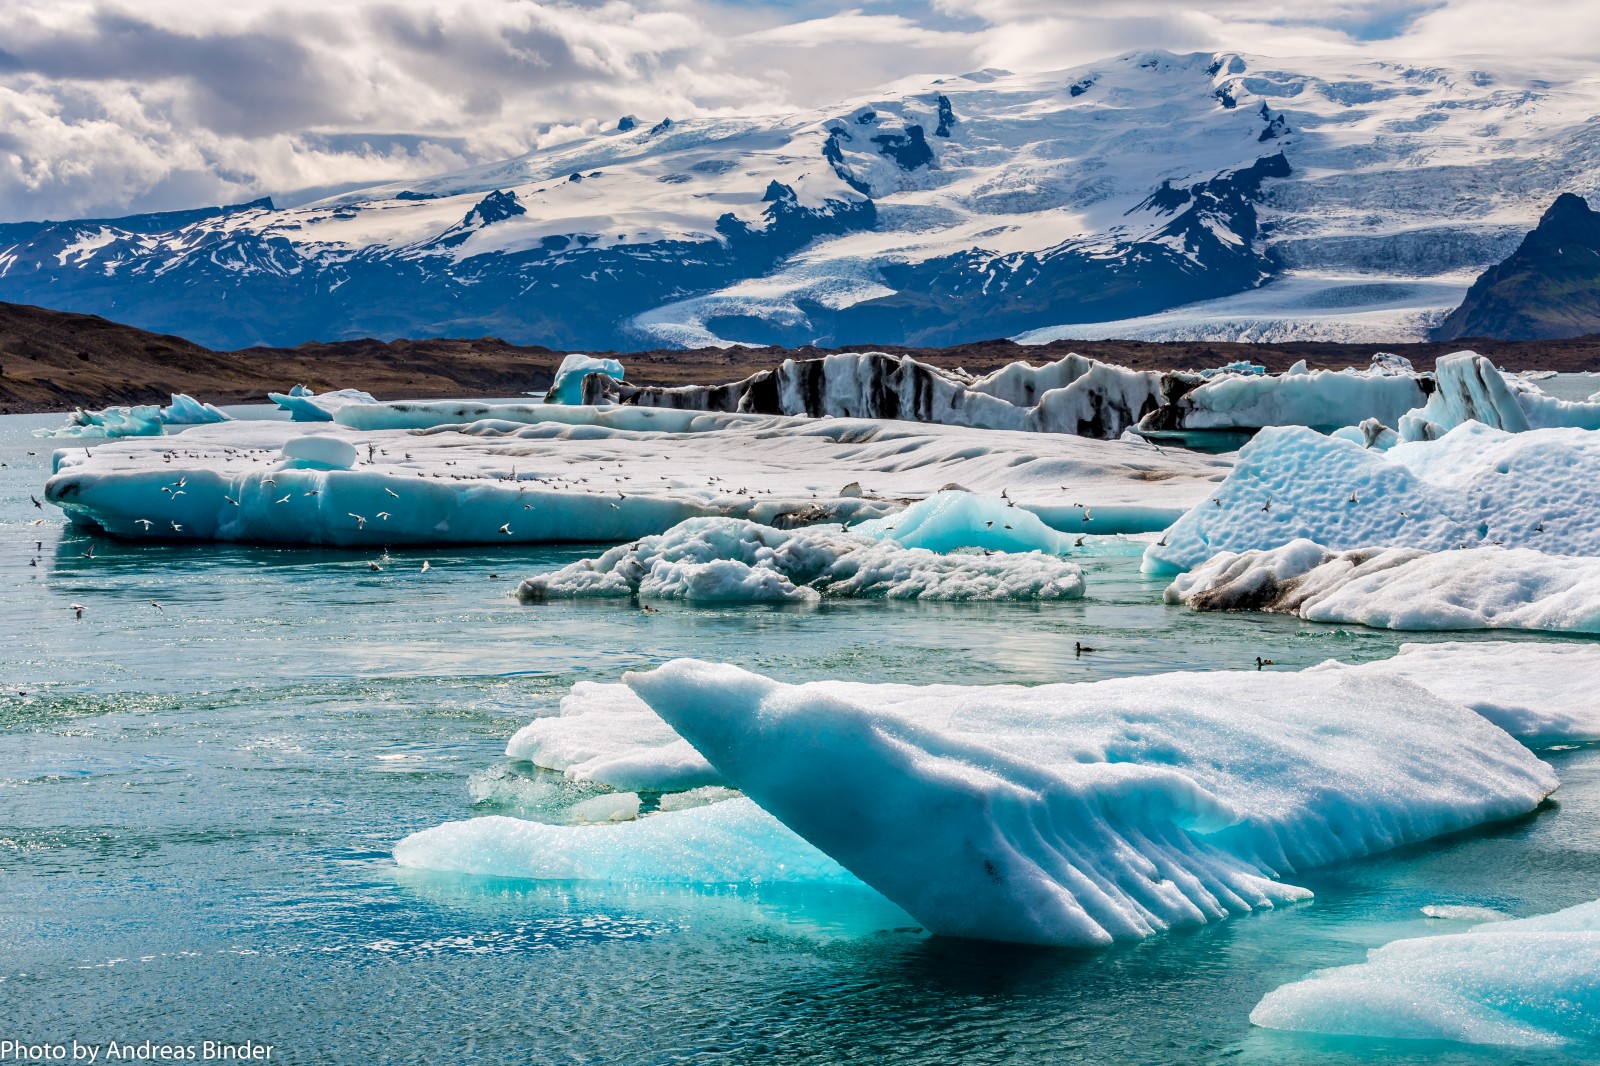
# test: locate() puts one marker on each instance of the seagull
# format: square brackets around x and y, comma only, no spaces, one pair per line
[361,523]
[285,498]
[230,499]
[424,566]
[506,529]
[77,609]
[176,528]
[1267,506]
[313,492]
[90,553]
[391,492]
[158,607]
[383,515]
[374,567]
[1354,498]
[988,525]
[145,522]
[36,502]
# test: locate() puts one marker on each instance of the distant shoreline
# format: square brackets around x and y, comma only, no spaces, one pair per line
[54,361]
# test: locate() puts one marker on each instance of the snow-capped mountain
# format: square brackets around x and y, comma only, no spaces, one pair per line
[1212,196]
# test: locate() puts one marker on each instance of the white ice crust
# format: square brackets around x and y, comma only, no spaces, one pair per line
[1474,486]
[1525,983]
[1402,588]
[1083,814]
[613,474]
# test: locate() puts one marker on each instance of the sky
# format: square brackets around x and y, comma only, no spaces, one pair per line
[111,107]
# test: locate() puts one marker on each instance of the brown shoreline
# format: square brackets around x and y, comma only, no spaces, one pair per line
[56,361]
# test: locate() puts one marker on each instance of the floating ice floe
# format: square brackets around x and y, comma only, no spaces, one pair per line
[304,405]
[1073,395]
[723,560]
[567,387]
[588,474]
[1324,399]
[1402,588]
[1470,388]
[1525,983]
[1062,814]
[145,420]
[1474,486]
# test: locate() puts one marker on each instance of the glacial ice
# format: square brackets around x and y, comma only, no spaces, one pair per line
[720,843]
[1470,388]
[954,519]
[1321,398]
[304,405]
[1532,982]
[730,560]
[567,388]
[145,420]
[320,453]
[1402,588]
[604,475]
[1073,395]
[1474,486]
[1085,814]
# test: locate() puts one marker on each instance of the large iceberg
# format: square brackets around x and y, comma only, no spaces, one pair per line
[1085,814]
[1470,389]
[567,387]
[185,410]
[1534,982]
[145,420]
[304,405]
[1472,487]
[1072,395]
[1402,588]
[585,474]
[1326,399]
[723,560]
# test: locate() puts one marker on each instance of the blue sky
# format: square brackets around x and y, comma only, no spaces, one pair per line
[112,106]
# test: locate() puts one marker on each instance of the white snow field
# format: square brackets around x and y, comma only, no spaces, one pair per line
[1523,983]
[1474,486]
[1541,693]
[722,560]
[561,473]
[1061,814]
[1402,588]
[1470,387]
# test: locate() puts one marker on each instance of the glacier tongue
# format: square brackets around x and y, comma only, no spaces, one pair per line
[1085,814]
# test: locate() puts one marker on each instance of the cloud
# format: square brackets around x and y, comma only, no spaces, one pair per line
[108,106]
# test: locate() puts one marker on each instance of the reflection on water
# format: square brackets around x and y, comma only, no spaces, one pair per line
[197,804]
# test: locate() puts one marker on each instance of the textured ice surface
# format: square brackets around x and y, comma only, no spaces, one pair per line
[1473,486]
[1322,398]
[185,410]
[732,841]
[146,420]
[1530,982]
[1539,693]
[603,475]
[1402,588]
[726,560]
[1470,388]
[304,405]
[1083,814]
[567,387]
[955,519]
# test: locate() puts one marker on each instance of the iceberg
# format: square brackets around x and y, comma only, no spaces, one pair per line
[953,519]
[145,420]
[1089,814]
[1474,486]
[1531,982]
[733,841]
[1471,389]
[1325,399]
[728,560]
[1402,588]
[185,410]
[605,475]
[1073,395]
[304,405]
[567,388]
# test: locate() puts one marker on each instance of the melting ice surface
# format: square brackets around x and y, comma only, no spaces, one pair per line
[207,797]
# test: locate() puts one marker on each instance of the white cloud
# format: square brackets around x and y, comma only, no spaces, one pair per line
[108,106]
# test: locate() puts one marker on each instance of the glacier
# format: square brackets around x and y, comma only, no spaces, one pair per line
[723,560]
[1529,982]
[1069,814]
[585,474]
[1473,487]
[1402,588]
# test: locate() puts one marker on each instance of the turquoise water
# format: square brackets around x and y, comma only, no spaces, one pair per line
[197,806]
